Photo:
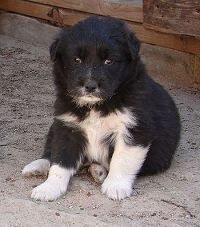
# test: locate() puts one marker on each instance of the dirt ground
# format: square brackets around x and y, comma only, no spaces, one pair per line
[26,100]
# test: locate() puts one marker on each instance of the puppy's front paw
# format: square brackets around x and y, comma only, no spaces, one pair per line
[37,167]
[116,189]
[47,192]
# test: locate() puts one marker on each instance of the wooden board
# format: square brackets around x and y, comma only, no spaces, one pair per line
[128,10]
[182,43]
[179,17]
[69,17]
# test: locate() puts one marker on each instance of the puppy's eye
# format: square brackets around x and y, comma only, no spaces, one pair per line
[108,62]
[77,60]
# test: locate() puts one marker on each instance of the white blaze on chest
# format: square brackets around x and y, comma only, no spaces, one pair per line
[97,128]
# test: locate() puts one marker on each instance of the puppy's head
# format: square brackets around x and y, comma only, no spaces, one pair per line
[94,58]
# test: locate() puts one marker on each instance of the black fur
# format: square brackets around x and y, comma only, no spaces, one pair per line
[123,83]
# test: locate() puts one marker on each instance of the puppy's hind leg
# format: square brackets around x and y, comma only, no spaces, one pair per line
[98,172]
[36,168]
[40,166]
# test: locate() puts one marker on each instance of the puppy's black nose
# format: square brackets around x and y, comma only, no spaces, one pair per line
[90,86]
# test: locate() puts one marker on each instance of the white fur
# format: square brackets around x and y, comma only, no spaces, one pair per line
[124,166]
[87,100]
[97,127]
[55,185]
[37,167]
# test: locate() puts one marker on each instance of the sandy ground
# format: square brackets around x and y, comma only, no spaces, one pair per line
[26,99]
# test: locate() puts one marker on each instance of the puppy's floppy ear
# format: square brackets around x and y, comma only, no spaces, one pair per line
[54,49]
[133,44]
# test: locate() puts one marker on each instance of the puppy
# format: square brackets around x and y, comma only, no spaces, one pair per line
[108,111]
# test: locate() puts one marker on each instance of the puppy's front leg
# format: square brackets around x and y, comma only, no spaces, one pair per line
[67,154]
[125,164]
[55,185]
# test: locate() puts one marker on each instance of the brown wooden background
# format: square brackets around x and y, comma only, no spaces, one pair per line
[166,23]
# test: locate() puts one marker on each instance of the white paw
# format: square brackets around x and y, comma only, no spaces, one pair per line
[116,189]
[98,172]
[37,167]
[47,192]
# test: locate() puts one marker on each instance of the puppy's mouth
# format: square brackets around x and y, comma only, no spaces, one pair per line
[88,98]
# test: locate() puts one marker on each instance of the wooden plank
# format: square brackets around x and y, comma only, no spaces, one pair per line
[179,17]
[70,17]
[127,10]
[41,11]
[182,43]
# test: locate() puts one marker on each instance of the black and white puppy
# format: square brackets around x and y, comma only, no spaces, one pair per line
[108,111]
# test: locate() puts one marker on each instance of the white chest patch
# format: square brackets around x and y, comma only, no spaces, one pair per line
[97,128]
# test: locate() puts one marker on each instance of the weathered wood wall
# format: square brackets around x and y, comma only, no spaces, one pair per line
[70,16]
[178,17]
[126,11]
[165,23]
